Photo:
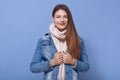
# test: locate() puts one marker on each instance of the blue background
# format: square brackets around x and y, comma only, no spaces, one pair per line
[22,22]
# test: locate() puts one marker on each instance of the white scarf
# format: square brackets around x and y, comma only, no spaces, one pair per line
[60,43]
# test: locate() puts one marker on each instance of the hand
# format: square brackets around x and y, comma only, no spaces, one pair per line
[57,59]
[67,59]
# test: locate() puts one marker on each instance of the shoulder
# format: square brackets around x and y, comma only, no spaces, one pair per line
[81,40]
[45,36]
[44,39]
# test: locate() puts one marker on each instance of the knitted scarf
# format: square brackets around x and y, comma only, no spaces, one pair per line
[60,44]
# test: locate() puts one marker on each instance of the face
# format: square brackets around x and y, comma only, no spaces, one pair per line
[60,19]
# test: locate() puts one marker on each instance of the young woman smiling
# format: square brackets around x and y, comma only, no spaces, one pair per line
[60,53]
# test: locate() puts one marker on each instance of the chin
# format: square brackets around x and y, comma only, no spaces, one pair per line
[61,29]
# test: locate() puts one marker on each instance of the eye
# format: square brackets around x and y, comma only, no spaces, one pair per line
[58,16]
[65,16]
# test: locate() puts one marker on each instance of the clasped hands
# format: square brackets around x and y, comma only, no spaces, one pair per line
[62,57]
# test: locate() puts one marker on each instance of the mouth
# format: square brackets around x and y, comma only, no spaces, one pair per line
[62,24]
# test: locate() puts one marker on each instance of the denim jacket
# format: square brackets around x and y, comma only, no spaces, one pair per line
[45,51]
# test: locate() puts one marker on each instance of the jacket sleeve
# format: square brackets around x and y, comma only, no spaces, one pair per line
[82,64]
[37,65]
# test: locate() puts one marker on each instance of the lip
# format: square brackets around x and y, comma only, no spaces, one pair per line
[62,24]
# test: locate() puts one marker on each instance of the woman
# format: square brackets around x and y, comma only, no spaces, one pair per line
[60,54]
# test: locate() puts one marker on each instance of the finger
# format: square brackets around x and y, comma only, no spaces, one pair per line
[59,54]
[59,61]
[59,57]
[65,53]
[64,58]
[56,55]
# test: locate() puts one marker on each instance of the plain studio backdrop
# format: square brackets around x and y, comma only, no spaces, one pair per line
[22,22]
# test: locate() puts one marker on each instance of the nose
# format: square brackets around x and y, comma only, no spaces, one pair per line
[62,19]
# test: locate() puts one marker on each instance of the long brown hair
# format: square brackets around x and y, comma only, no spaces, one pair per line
[72,38]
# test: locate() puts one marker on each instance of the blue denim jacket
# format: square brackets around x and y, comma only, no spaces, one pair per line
[45,51]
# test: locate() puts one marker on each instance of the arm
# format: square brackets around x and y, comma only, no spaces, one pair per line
[82,63]
[37,65]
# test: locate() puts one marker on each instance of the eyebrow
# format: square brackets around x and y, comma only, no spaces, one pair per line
[60,15]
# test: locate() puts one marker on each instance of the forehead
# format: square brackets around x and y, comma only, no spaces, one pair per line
[60,12]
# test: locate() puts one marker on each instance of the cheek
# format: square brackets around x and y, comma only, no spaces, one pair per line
[66,20]
[55,20]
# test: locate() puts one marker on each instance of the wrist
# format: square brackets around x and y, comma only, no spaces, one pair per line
[73,62]
[52,63]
